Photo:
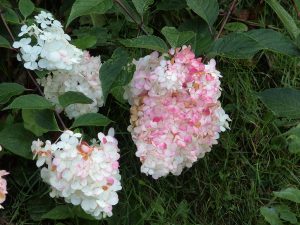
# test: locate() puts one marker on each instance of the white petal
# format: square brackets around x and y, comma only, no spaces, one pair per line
[40,161]
[113,200]
[85,204]
[43,63]
[16,44]
[19,58]
[75,200]
[111,132]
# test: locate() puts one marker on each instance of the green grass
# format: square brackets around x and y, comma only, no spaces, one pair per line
[227,186]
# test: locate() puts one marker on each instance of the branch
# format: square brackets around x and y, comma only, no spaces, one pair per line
[226,17]
[296,8]
[141,26]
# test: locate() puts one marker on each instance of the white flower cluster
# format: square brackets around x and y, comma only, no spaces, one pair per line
[46,46]
[84,77]
[82,174]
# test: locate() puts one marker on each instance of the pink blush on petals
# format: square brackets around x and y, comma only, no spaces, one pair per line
[178,118]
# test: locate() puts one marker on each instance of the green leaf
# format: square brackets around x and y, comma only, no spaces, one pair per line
[39,121]
[246,44]
[17,140]
[283,102]
[286,214]
[85,42]
[285,18]
[5,4]
[292,194]
[126,9]
[207,10]
[8,90]
[91,119]
[117,88]
[293,140]
[100,33]
[73,97]
[85,7]
[294,144]
[168,5]
[111,69]
[177,38]
[26,7]
[41,73]
[78,211]
[297,41]
[118,93]
[297,2]
[146,41]
[125,76]
[60,212]
[31,101]
[11,16]
[270,215]
[4,43]
[203,39]
[38,206]
[273,41]
[142,5]
[236,27]
[235,45]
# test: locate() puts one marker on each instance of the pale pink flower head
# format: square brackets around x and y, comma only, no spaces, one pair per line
[176,117]
[82,174]
[3,188]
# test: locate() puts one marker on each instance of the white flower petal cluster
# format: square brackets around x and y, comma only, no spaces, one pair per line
[46,46]
[83,174]
[84,77]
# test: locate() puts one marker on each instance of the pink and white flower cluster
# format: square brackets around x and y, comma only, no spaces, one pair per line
[84,77]
[3,190]
[46,46]
[176,116]
[82,174]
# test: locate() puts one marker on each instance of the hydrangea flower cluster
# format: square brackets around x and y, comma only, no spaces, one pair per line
[46,46]
[84,77]
[176,116]
[82,174]
[3,190]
